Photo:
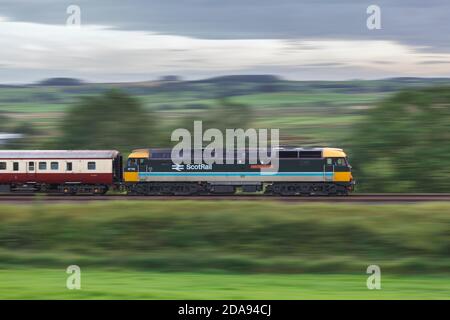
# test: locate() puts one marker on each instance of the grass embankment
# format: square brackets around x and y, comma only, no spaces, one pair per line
[244,237]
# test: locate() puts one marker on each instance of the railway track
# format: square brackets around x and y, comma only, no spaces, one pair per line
[354,198]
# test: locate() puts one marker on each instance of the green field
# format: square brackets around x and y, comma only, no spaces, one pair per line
[295,114]
[227,236]
[300,109]
[123,284]
[224,250]
[306,112]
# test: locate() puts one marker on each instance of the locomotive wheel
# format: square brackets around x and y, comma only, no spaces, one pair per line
[304,189]
[158,189]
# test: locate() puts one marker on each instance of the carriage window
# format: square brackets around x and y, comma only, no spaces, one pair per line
[30,166]
[69,166]
[2,165]
[15,166]
[42,165]
[54,165]
[91,165]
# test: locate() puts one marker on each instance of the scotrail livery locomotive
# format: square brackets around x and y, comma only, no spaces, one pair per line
[301,171]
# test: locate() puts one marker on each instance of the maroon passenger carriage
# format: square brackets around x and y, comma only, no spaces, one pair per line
[60,171]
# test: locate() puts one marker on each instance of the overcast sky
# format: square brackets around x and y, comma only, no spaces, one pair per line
[298,39]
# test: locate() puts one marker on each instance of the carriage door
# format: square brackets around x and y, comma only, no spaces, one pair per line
[31,171]
[328,170]
[68,170]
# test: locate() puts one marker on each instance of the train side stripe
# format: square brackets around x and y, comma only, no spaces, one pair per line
[257,174]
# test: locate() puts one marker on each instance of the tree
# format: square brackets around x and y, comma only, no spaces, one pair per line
[226,115]
[403,145]
[114,120]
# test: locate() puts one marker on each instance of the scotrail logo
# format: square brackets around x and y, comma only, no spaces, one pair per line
[178,167]
[199,166]
[191,167]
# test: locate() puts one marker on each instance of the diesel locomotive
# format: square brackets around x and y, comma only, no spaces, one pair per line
[301,171]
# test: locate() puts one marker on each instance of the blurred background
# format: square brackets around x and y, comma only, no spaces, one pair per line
[115,75]
[396,131]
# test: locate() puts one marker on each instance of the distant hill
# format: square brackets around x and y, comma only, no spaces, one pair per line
[231,85]
[264,78]
[170,78]
[60,82]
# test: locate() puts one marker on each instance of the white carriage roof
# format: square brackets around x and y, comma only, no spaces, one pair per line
[58,154]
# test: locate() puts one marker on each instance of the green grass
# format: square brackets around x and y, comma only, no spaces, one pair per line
[34,108]
[306,98]
[243,237]
[272,100]
[125,284]
[224,250]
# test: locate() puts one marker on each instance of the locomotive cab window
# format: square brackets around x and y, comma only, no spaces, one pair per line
[2,165]
[42,165]
[91,165]
[142,165]
[54,165]
[340,162]
[329,161]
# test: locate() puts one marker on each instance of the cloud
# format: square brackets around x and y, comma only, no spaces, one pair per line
[435,62]
[102,53]
[414,22]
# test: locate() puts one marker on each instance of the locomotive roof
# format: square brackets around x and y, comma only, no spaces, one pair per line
[58,154]
[326,151]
